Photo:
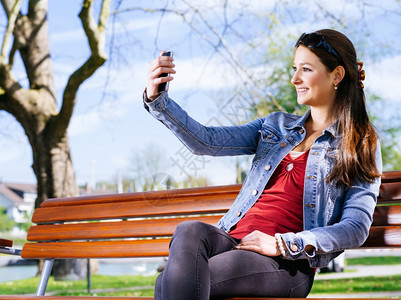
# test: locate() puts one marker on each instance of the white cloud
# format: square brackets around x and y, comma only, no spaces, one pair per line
[11,153]
[91,120]
[383,78]
[70,36]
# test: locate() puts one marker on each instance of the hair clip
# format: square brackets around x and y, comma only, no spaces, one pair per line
[361,75]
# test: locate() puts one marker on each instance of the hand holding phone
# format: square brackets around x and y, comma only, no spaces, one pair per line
[158,75]
[163,87]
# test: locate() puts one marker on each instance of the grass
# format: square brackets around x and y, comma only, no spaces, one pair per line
[374,261]
[124,285]
[357,285]
[134,286]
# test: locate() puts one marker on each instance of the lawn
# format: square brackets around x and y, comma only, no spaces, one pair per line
[358,285]
[124,285]
[374,260]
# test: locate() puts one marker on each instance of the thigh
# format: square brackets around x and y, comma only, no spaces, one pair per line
[186,275]
[192,237]
[247,273]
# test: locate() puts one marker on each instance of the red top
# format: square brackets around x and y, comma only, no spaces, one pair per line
[280,206]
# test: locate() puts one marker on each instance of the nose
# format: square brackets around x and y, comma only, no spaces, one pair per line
[295,78]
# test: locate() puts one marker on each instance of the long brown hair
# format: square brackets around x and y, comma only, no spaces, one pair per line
[356,159]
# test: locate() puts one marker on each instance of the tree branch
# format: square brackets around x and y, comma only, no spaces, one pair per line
[220,47]
[13,97]
[12,17]
[7,5]
[96,36]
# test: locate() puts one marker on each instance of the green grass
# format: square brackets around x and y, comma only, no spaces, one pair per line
[357,285]
[124,286]
[128,286]
[124,282]
[374,261]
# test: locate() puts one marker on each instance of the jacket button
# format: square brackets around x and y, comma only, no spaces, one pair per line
[301,130]
[268,167]
[283,145]
[239,214]
[294,247]
[254,192]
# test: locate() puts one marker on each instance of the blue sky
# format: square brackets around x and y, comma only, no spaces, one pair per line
[109,122]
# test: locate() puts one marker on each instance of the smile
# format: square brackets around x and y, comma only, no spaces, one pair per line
[301,90]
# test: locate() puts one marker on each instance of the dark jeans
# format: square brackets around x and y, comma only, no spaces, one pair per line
[202,265]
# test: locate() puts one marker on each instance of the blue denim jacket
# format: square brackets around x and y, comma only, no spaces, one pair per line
[334,218]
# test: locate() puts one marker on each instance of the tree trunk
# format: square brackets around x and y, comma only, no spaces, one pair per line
[53,168]
[55,176]
[35,107]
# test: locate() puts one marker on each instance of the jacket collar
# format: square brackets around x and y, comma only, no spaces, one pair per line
[300,123]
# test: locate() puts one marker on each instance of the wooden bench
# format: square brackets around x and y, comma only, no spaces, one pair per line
[6,247]
[141,224]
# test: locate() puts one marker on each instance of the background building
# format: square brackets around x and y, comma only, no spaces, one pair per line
[18,199]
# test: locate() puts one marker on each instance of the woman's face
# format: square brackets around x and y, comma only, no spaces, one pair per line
[313,82]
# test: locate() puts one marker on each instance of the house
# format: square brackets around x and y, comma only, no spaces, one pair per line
[18,199]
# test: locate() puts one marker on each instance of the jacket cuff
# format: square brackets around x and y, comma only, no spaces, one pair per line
[295,247]
[157,104]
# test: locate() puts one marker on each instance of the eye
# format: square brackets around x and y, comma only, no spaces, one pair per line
[294,68]
[305,69]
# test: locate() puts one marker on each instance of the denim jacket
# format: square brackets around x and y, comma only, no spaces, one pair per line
[335,218]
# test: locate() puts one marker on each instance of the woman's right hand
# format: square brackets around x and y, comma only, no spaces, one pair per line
[162,64]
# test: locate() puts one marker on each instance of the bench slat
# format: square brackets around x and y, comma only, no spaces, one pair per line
[390,193]
[146,208]
[388,189]
[387,215]
[384,237]
[97,249]
[223,191]
[213,204]
[378,237]
[6,243]
[104,230]
[391,176]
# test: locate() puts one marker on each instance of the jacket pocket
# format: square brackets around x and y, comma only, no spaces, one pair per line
[269,138]
[269,135]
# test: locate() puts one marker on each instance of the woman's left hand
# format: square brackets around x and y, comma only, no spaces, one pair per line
[259,242]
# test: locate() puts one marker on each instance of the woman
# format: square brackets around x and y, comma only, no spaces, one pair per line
[310,193]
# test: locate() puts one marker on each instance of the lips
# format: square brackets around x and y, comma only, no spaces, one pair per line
[302,90]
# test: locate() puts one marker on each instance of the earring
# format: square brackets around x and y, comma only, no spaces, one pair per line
[335,87]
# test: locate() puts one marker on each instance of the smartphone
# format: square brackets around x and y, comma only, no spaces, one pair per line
[163,87]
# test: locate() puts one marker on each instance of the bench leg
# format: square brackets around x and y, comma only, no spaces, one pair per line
[44,278]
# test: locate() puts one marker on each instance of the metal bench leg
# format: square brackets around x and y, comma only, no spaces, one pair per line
[44,278]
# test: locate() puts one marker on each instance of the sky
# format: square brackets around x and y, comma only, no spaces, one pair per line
[110,125]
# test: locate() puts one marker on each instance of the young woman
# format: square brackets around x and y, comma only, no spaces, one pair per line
[310,193]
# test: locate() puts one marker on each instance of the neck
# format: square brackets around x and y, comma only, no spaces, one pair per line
[321,118]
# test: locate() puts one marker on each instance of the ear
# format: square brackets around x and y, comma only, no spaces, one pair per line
[338,74]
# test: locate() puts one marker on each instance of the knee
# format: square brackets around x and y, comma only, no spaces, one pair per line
[192,230]
[186,237]
[189,228]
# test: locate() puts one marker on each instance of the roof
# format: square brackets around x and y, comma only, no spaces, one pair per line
[15,191]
